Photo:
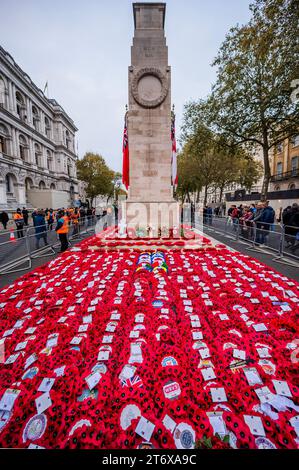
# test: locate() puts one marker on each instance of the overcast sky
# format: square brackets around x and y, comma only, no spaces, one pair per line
[82,48]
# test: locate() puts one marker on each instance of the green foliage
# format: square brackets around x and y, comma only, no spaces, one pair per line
[99,177]
[256,64]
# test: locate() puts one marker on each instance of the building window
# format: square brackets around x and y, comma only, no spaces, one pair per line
[47,127]
[292,186]
[295,140]
[294,166]
[8,184]
[4,136]
[279,147]
[52,186]
[279,168]
[2,93]
[49,161]
[69,168]
[37,155]
[35,118]
[67,140]
[21,106]
[277,188]
[23,148]
[42,185]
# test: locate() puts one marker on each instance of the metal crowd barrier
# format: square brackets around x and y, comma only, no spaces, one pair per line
[281,240]
[18,248]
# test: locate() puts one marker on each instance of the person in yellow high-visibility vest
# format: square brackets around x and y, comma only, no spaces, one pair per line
[75,221]
[62,229]
[19,221]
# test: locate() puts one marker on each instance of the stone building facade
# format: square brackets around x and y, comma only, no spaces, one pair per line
[285,165]
[37,144]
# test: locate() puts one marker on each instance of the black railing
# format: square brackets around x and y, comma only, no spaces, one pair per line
[285,176]
[286,194]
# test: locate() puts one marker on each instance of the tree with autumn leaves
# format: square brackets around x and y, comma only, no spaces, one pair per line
[93,169]
[251,105]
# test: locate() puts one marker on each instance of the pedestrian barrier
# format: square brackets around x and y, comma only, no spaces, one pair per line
[17,252]
[281,240]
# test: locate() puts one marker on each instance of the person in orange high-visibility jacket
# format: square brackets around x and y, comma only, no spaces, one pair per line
[75,221]
[62,229]
[19,221]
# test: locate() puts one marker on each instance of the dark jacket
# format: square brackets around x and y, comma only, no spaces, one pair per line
[4,217]
[39,224]
[267,215]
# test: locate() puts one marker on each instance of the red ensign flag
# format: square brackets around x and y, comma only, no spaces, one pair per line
[174,173]
[126,164]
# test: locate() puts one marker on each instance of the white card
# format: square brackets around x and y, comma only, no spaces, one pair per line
[30,360]
[282,388]
[115,316]
[169,423]
[82,328]
[145,428]
[252,376]
[217,423]
[239,354]
[208,373]
[103,355]
[46,385]
[263,352]
[8,399]
[76,340]
[255,424]
[260,327]
[204,353]
[30,330]
[43,402]
[127,372]
[107,339]
[218,395]
[21,346]
[93,379]
[11,359]
[134,334]
[197,335]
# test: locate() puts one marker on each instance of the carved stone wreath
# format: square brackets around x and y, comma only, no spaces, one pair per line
[153,72]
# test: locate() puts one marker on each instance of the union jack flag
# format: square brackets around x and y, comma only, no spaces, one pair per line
[134,381]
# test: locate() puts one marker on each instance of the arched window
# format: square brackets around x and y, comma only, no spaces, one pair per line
[8,183]
[47,127]
[11,184]
[23,148]
[68,139]
[37,155]
[52,186]
[49,160]
[2,93]
[28,186]
[292,186]
[35,118]
[277,188]
[4,140]
[21,106]
[42,185]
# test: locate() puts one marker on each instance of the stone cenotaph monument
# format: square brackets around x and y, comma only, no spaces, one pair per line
[150,201]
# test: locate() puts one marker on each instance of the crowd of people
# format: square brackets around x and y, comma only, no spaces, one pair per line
[261,216]
[43,220]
